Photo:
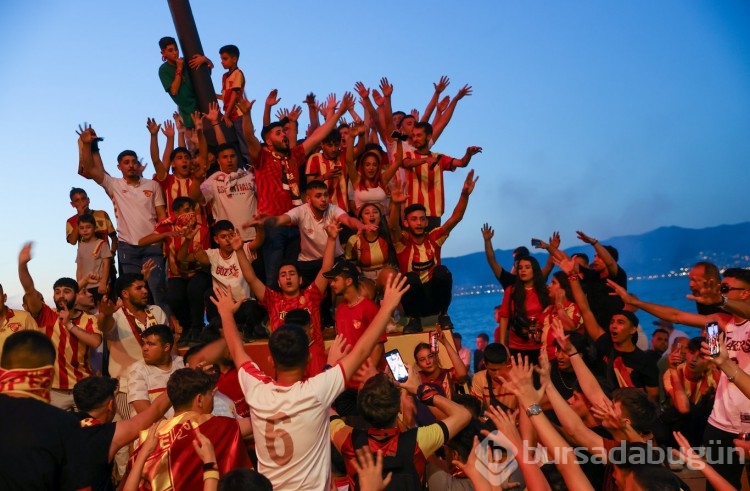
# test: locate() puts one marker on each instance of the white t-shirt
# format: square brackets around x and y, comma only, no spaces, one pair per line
[312,232]
[296,416]
[232,197]
[730,401]
[147,382]
[227,273]
[376,196]
[135,207]
[124,348]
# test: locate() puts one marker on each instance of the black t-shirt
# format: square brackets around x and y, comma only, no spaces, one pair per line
[635,365]
[506,279]
[37,446]
[602,304]
[93,443]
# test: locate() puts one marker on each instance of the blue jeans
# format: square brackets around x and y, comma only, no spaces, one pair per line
[131,259]
[281,244]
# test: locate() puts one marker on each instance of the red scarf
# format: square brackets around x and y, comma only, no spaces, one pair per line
[27,382]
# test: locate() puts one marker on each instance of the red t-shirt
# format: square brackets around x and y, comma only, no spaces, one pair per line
[277,305]
[277,180]
[533,309]
[352,322]
[229,385]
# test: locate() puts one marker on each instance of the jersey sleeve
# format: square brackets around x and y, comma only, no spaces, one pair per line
[295,214]
[158,195]
[137,384]
[312,167]
[328,385]
[430,438]
[439,235]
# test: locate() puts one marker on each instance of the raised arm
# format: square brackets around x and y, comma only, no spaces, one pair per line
[329,254]
[271,100]
[662,311]
[398,197]
[312,110]
[253,144]
[317,136]
[90,162]
[33,297]
[386,111]
[127,430]
[439,88]
[601,251]
[153,129]
[458,364]
[592,327]
[398,162]
[487,234]
[227,306]
[710,294]
[445,118]
[463,202]
[257,286]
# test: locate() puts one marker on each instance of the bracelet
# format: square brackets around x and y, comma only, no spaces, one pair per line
[214,124]
[571,355]
[211,475]
[573,277]
[594,242]
[734,375]
[210,466]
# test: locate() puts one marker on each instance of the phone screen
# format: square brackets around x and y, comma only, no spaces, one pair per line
[536,242]
[396,364]
[712,338]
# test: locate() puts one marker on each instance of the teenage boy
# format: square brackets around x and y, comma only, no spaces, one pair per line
[93,259]
[225,267]
[290,417]
[147,378]
[329,166]
[177,82]
[13,320]
[73,333]
[232,90]
[418,254]
[292,296]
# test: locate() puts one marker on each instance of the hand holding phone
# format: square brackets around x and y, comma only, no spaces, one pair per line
[396,364]
[712,338]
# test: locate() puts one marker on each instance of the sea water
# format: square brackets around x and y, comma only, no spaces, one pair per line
[472,314]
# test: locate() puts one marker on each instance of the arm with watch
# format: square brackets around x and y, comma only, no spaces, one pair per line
[714,293]
[520,382]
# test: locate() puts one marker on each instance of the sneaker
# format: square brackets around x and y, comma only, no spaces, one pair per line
[414,325]
[445,322]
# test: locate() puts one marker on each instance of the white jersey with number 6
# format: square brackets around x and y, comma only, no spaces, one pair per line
[291,426]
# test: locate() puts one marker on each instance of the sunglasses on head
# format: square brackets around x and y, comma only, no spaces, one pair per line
[724,288]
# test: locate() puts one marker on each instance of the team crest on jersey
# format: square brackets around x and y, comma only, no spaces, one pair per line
[302,300]
[357,324]
[14,326]
[148,193]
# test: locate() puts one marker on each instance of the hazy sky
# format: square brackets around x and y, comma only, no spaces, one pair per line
[614,118]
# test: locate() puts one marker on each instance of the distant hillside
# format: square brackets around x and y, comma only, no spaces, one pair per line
[658,251]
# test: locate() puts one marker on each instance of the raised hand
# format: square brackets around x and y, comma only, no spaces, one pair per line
[544,368]
[465,90]
[709,293]
[398,193]
[178,122]
[196,61]
[561,336]
[361,90]
[379,99]
[25,255]
[442,84]
[621,292]
[413,380]
[505,422]
[197,118]
[370,472]
[567,265]
[168,128]
[86,133]
[471,151]
[272,98]
[295,113]
[310,100]
[585,238]
[152,439]
[151,126]
[605,412]
[282,113]
[487,232]
[554,241]
[469,183]
[414,113]
[385,87]
[236,241]
[244,105]
[338,349]
[147,268]
[223,300]
[333,228]
[395,287]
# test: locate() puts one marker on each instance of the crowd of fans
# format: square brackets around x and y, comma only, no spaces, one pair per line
[336,235]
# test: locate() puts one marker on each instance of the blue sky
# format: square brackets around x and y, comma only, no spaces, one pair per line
[612,118]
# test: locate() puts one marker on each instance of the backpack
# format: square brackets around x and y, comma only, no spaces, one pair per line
[405,476]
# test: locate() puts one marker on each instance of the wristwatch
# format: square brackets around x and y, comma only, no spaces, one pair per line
[533,410]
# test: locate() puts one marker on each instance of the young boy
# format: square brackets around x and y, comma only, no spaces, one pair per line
[94,255]
[232,90]
[176,81]
[225,266]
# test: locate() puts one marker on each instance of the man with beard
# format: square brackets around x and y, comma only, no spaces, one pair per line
[72,332]
[124,329]
[424,173]
[418,254]
[139,205]
[276,167]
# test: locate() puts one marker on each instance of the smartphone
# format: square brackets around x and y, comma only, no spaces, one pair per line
[712,338]
[396,364]
[536,242]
